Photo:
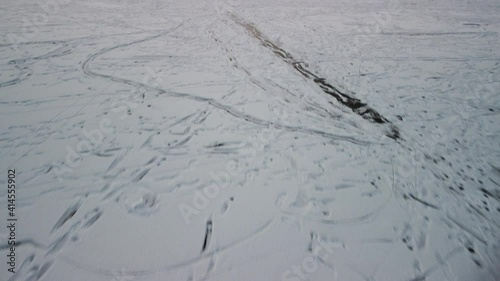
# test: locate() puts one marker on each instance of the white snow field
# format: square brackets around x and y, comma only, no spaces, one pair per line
[250,140]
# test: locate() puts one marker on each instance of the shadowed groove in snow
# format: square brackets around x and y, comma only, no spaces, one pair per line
[354,104]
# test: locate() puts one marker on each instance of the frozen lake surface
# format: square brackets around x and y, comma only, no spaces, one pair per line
[251,140]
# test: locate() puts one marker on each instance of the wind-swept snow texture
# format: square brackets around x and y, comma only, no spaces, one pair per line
[251,140]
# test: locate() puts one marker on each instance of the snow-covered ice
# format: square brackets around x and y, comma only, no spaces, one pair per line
[251,140]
